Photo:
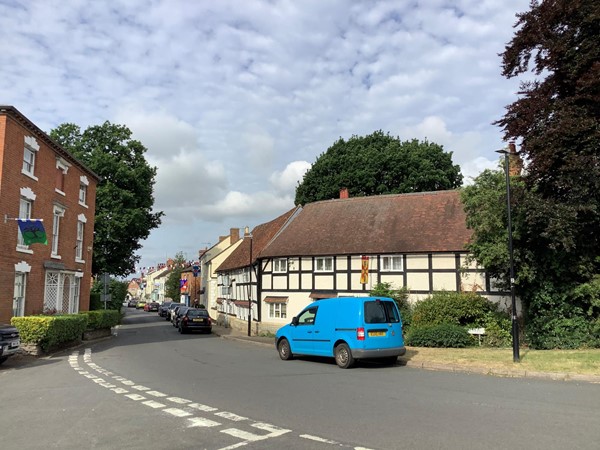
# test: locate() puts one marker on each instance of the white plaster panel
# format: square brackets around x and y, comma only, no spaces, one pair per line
[307,281]
[342,280]
[418,281]
[444,281]
[472,281]
[443,261]
[395,280]
[417,262]
[294,281]
[324,282]
[341,262]
[279,283]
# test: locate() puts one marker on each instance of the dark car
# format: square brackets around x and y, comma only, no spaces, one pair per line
[9,342]
[177,314]
[195,319]
[132,303]
[171,309]
[163,309]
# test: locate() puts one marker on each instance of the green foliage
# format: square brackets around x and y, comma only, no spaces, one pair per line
[547,332]
[378,164]
[498,329]
[441,335]
[458,308]
[172,283]
[124,196]
[117,290]
[400,296]
[102,319]
[50,332]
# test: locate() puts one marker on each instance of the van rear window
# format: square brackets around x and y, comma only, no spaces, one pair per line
[381,312]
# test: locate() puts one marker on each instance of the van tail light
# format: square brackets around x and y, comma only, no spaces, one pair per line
[360,334]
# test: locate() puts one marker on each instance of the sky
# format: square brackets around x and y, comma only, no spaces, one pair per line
[235,100]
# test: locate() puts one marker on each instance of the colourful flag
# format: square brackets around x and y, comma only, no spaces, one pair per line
[364,272]
[32,231]
[183,284]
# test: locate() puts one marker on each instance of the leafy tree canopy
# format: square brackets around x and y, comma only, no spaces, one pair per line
[172,284]
[124,197]
[378,164]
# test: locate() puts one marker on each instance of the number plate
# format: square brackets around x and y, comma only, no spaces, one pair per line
[376,333]
[14,344]
[198,320]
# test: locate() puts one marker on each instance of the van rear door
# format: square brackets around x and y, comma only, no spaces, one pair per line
[383,326]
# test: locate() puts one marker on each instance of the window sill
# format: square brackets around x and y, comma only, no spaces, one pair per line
[29,174]
[53,256]
[80,261]
[58,191]
[24,250]
[83,204]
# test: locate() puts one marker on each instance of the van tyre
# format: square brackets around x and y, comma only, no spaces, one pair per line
[343,356]
[285,352]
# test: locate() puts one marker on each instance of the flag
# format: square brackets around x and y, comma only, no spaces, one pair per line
[32,231]
[364,272]
[183,284]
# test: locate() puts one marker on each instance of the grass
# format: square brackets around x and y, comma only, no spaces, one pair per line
[584,362]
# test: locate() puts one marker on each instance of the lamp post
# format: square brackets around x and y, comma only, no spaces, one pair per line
[250,291]
[515,323]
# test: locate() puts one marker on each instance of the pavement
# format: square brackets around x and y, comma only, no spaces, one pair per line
[230,333]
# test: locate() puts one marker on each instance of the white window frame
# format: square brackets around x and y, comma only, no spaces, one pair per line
[63,166]
[280,265]
[83,186]
[79,241]
[392,263]
[278,310]
[19,295]
[30,148]
[322,262]
[58,213]
[25,207]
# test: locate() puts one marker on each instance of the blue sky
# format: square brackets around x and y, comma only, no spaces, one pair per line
[236,99]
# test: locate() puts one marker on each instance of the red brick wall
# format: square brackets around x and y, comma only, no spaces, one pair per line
[12,136]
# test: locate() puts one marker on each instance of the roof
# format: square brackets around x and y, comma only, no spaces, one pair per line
[17,115]
[384,224]
[261,236]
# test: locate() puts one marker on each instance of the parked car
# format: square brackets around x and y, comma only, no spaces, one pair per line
[140,304]
[178,313]
[172,306]
[132,303]
[152,306]
[345,328]
[9,342]
[195,319]
[163,308]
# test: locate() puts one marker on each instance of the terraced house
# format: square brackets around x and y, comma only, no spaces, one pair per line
[346,246]
[41,180]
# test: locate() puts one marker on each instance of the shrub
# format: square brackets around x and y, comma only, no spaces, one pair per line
[441,335]
[547,333]
[102,319]
[50,332]
[459,308]
[498,327]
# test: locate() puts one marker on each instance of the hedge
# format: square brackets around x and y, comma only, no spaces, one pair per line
[50,332]
[102,319]
[442,335]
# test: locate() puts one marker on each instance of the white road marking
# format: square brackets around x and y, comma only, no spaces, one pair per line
[156,393]
[136,397]
[201,407]
[230,416]
[318,439]
[127,382]
[181,401]
[141,388]
[202,422]
[272,429]
[243,435]
[120,390]
[177,412]
[231,447]
[153,404]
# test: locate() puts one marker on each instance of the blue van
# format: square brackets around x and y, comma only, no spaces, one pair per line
[346,328]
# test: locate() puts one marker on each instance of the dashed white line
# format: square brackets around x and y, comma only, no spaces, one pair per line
[202,422]
[140,388]
[318,439]
[156,393]
[243,435]
[179,400]
[177,412]
[230,416]
[153,404]
[201,407]
[136,397]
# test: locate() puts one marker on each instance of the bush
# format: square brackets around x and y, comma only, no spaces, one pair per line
[498,328]
[116,289]
[50,332]
[445,335]
[547,333]
[102,319]
[458,308]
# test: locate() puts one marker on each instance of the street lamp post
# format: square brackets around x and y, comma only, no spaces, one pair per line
[515,323]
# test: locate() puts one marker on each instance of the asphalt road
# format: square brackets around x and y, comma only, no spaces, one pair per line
[150,387]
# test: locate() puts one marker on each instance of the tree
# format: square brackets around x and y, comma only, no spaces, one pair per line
[556,202]
[172,284]
[378,164]
[124,196]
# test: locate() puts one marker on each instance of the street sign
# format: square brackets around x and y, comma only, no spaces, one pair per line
[105,297]
[195,270]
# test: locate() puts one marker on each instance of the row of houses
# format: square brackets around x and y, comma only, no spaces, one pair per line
[340,247]
[43,183]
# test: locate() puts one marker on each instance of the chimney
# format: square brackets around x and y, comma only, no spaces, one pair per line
[344,193]
[234,235]
[246,231]
[515,161]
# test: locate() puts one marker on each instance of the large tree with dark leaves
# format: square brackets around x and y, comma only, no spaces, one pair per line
[378,164]
[556,121]
[124,197]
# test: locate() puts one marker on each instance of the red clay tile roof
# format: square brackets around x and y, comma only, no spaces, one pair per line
[261,236]
[385,224]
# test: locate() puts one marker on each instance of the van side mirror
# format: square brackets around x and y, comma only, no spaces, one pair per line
[294,320]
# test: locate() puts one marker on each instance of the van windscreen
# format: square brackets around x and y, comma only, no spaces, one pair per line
[381,312]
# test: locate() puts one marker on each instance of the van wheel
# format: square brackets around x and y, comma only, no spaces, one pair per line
[343,356]
[285,352]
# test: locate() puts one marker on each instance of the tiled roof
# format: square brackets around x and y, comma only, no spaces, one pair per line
[261,236]
[385,224]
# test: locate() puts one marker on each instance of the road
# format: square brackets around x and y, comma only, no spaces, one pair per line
[150,387]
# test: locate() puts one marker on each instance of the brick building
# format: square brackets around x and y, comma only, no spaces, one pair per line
[41,180]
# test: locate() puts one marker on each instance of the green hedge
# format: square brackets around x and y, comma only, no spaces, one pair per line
[459,308]
[442,335]
[102,319]
[50,332]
